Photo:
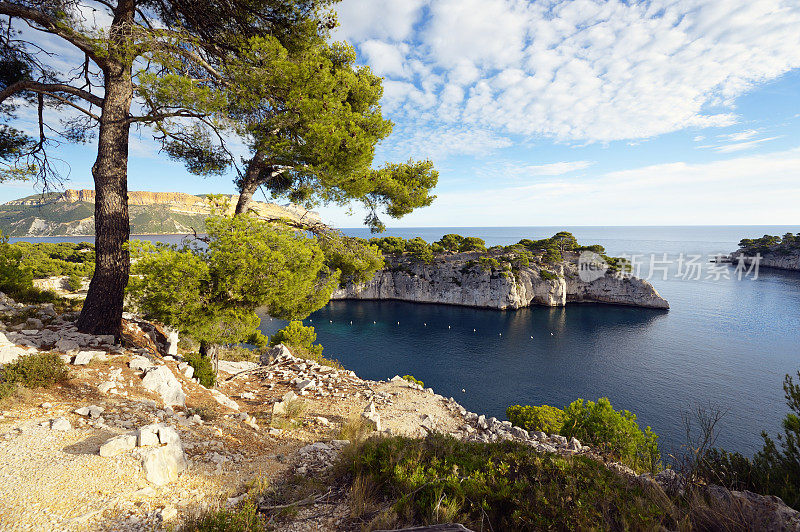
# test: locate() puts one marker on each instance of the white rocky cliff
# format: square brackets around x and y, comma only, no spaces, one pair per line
[456,279]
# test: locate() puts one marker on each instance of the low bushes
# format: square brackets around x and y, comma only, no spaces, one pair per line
[411,378]
[203,368]
[300,339]
[245,518]
[609,431]
[497,486]
[39,370]
[547,419]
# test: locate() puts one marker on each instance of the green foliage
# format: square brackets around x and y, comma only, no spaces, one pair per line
[547,419]
[356,259]
[548,275]
[419,250]
[411,378]
[14,276]
[297,335]
[57,259]
[775,469]
[38,370]
[451,242]
[613,432]
[392,245]
[244,518]
[500,486]
[552,255]
[74,282]
[203,369]
[472,243]
[769,243]
[211,293]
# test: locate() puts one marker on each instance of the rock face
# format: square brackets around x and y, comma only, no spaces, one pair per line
[72,213]
[455,279]
[781,261]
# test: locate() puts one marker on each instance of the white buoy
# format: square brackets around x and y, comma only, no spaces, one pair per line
[374,322]
[531,337]
[501,334]
[351,322]
[425,324]
[463,390]
[331,321]
[551,334]
[398,323]
[448,326]
[473,330]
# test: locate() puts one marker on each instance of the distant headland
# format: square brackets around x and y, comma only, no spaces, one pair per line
[71,213]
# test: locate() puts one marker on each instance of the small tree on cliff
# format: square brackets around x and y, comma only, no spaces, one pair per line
[169,47]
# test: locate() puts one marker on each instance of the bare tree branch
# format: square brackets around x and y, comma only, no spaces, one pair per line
[42,22]
[51,88]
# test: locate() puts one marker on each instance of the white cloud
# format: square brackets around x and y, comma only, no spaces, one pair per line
[581,69]
[385,59]
[740,135]
[553,169]
[741,146]
[377,19]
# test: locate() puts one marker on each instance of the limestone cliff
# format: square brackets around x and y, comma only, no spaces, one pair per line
[779,259]
[71,213]
[457,279]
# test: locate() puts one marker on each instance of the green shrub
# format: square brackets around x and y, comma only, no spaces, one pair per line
[609,431]
[613,432]
[74,282]
[498,486]
[472,243]
[35,371]
[203,368]
[14,277]
[7,389]
[548,275]
[547,419]
[411,378]
[245,518]
[297,335]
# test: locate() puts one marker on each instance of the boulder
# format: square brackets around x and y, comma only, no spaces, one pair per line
[118,444]
[278,352]
[66,345]
[147,435]
[171,344]
[224,400]
[140,363]
[162,465]
[84,357]
[106,387]
[61,424]
[162,381]
[167,435]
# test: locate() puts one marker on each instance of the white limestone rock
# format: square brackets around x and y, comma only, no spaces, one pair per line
[118,444]
[61,424]
[162,381]
[224,400]
[162,465]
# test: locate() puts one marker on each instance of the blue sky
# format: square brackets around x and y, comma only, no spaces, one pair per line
[575,112]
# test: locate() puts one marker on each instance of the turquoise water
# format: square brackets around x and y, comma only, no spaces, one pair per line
[724,343]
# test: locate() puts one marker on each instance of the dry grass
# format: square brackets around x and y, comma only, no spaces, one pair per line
[295,410]
[356,430]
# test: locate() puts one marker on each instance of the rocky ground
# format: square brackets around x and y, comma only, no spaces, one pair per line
[132,442]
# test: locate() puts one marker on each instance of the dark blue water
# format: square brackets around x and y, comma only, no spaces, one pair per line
[725,342]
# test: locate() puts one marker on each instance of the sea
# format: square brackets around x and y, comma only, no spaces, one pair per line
[730,336]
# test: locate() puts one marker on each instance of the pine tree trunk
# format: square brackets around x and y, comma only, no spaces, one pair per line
[102,310]
[250,182]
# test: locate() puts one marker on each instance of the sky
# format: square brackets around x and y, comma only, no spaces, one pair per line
[563,113]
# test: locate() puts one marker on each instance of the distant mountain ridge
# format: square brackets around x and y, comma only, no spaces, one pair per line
[71,213]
